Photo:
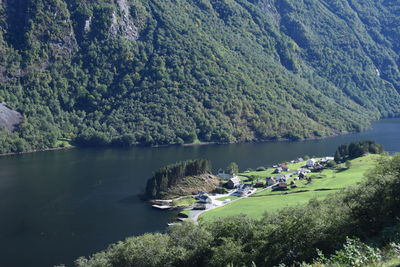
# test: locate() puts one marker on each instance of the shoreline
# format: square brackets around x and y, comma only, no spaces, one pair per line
[194,144]
[184,145]
[37,150]
[259,141]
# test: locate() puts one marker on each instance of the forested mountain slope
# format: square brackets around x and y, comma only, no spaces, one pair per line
[127,72]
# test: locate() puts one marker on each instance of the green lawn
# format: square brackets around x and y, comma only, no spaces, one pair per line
[184,202]
[332,179]
[228,197]
[256,205]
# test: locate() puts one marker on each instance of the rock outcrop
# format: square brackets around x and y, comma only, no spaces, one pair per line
[122,23]
[9,118]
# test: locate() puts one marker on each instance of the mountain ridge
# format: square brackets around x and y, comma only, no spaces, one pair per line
[135,72]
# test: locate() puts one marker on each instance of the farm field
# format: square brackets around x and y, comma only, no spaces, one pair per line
[323,184]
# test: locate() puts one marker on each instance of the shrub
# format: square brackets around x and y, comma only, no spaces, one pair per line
[348,164]
[331,164]
[354,253]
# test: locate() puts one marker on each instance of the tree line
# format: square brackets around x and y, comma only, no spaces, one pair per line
[170,175]
[357,149]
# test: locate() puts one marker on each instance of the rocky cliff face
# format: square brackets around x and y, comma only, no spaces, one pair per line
[9,119]
[122,22]
[42,25]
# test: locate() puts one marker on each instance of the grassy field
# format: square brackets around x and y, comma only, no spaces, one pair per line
[269,201]
[228,197]
[255,207]
[184,202]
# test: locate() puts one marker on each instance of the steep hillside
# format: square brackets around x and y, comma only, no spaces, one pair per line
[128,72]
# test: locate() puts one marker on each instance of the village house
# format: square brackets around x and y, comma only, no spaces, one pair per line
[233,183]
[223,175]
[318,168]
[284,168]
[200,195]
[326,159]
[277,170]
[280,186]
[282,177]
[269,181]
[203,198]
[302,170]
[310,163]
[243,189]
[259,184]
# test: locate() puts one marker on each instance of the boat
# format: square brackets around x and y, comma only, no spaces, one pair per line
[162,207]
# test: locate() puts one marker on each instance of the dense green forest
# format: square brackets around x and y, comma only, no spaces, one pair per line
[355,227]
[139,72]
[172,174]
[357,149]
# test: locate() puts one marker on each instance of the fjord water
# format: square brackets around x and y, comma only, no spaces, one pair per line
[59,205]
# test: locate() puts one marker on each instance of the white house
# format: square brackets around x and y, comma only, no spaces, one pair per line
[281,178]
[311,163]
[205,200]
[326,159]
[301,170]
[243,189]
[233,182]
[200,195]
[221,174]
[270,181]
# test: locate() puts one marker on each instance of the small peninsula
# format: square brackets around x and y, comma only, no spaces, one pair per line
[181,179]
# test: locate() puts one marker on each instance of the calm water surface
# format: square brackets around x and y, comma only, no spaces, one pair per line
[56,206]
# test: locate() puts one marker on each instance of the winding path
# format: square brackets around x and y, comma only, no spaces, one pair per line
[194,214]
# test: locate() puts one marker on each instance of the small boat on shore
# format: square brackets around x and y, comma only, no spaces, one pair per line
[162,207]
